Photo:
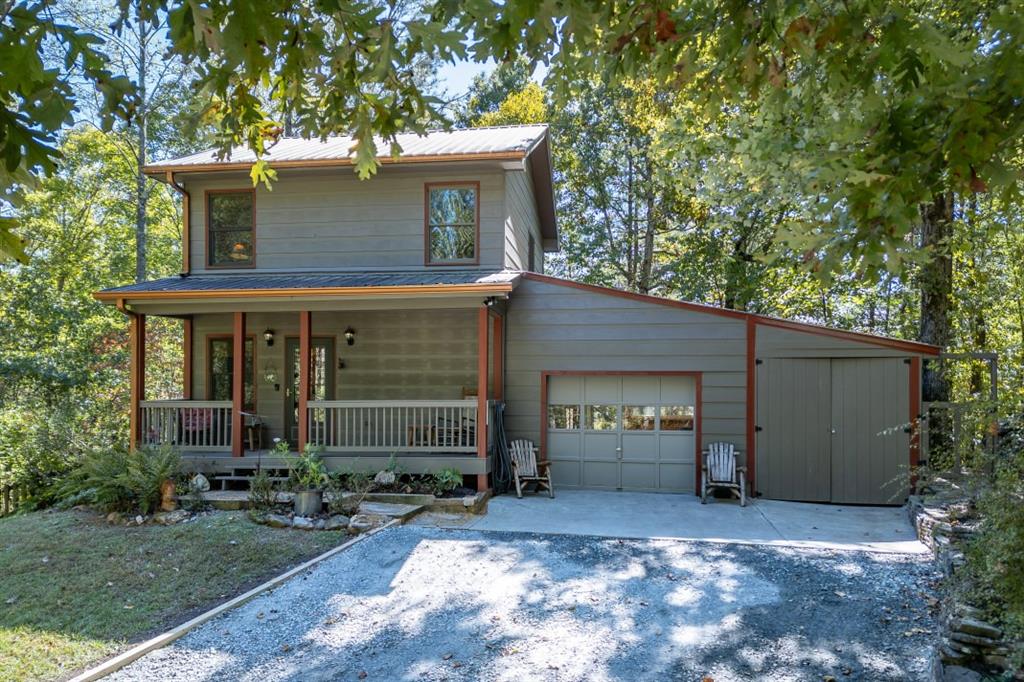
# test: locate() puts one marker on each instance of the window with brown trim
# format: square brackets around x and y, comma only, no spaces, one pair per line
[230,233]
[221,379]
[452,223]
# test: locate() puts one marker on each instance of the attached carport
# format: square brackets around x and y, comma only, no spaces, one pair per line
[631,388]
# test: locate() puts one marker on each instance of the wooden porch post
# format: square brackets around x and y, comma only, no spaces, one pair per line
[499,357]
[483,317]
[186,348]
[137,343]
[304,367]
[238,386]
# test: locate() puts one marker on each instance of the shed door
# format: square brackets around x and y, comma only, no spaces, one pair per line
[622,432]
[870,404]
[832,430]
[793,453]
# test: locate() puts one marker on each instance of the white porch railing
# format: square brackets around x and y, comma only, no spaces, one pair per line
[191,424]
[394,425]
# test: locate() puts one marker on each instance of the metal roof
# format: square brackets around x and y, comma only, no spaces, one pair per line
[188,284]
[513,141]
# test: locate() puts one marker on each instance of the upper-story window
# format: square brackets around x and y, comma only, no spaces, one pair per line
[230,229]
[453,223]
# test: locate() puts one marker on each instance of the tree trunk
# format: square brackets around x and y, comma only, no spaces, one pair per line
[644,285]
[937,290]
[140,177]
[936,326]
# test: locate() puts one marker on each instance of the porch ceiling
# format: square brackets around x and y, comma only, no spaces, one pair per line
[314,291]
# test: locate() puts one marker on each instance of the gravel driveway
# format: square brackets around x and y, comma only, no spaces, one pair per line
[419,603]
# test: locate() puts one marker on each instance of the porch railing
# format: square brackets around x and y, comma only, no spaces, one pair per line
[394,426]
[191,424]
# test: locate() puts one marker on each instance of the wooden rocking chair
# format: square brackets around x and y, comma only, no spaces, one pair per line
[526,469]
[719,470]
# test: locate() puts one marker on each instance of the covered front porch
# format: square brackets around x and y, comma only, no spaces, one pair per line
[417,380]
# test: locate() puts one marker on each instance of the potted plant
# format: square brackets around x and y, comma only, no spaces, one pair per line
[308,477]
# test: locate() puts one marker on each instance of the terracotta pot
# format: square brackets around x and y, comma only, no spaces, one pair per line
[168,500]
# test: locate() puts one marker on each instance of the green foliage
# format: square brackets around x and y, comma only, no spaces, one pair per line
[488,93]
[446,479]
[121,480]
[307,470]
[281,448]
[995,558]
[262,492]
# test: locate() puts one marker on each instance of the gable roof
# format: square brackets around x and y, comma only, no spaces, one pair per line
[498,142]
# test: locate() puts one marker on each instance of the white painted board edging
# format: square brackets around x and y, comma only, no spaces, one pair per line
[162,640]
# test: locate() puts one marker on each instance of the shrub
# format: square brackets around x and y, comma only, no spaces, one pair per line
[119,480]
[446,480]
[262,492]
[307,470]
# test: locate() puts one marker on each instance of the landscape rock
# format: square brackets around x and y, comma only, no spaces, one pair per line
[303,523]
[200,483]
[973,626]
[278,521]
[956,673]
[360,523]
[115,518]
[170,518]
[337,522]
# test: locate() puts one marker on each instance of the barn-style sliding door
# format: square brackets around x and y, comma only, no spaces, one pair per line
[833,429]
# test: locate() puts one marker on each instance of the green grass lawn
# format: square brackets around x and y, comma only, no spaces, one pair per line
[74,590]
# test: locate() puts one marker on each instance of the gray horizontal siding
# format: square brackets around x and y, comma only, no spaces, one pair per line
[775,342]
[331,220]
[521,221]
[553,327]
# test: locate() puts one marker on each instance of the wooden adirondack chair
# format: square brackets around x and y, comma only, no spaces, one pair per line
[719,470]
[526,469]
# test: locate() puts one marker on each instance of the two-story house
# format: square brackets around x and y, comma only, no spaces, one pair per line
[408,313]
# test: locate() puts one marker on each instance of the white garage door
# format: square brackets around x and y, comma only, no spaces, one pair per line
[622,432]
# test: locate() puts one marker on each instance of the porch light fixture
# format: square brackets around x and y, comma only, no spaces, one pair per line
[350,336]
[490,301]
[268,336]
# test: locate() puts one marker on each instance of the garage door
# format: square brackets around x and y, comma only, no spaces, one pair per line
[833,430]
[622,432]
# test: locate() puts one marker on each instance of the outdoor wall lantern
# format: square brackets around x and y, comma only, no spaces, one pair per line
[350,336]
[268,336]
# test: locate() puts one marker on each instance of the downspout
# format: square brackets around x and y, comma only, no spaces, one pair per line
[186,243]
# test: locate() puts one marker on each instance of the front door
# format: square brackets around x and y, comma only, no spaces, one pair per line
[321,380]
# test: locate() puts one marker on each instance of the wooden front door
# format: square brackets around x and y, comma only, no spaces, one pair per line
[321,385]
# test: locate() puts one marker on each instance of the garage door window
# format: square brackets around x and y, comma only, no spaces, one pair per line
[638,417]
[677,417]
[601,417]
[564,417]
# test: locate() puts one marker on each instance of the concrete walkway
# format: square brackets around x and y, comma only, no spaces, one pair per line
[658,515]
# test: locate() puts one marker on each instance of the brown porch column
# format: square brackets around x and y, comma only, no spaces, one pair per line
[482,317]
[304,366]
[238,386]
[498,364]
[137,343]
[186,352]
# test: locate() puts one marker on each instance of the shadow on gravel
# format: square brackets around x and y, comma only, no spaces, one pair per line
[428,604]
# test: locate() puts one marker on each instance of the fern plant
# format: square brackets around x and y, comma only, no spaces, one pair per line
[122,480]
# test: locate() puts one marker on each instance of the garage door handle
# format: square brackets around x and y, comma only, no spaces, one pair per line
[833,431]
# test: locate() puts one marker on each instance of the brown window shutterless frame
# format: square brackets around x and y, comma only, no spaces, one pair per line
[428,223]
[209,199]
[211,340]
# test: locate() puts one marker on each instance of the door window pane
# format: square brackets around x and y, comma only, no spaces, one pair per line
[451,224]
[230,228]
[601,417]
[677,417]
[222,372]
[638,417]
[563,416]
